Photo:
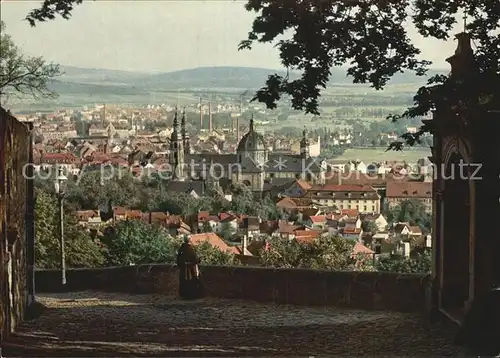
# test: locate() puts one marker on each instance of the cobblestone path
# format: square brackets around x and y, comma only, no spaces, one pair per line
[95,324]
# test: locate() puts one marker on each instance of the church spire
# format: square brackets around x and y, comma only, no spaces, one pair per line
[176,122]
[177,150]
[304,144]
[185,134]
[251,129]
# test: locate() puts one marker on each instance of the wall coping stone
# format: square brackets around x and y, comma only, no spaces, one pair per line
[353,289]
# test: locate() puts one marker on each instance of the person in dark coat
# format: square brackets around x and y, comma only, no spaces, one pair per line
[480,330]
[189,272]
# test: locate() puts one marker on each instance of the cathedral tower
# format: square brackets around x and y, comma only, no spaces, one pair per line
[185,135]
[304,145]
[177,150]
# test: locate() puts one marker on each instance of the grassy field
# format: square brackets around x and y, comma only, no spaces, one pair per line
[301,123]
[368,155]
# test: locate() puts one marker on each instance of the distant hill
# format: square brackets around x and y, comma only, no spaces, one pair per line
[199,78]
[73,88]
[98,75]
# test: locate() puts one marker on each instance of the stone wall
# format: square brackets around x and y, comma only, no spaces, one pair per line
[361,290]
[16,214]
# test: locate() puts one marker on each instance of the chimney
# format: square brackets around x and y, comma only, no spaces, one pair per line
[244,245]
[210,128]
[201,116]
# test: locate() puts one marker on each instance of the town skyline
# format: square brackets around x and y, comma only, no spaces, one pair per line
[95,37]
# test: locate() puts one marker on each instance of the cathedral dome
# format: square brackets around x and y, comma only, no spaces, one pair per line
[252,141]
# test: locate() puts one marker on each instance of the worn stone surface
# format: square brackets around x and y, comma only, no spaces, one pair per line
[16,215]
[111,324]
[359,290]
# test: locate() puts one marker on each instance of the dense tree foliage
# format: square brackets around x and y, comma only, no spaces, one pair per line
[124,243]
[369,227]
[21,74]
[421,263]
[81,250]
[370,37]
[210,255]
[412,212]
[102,189]
[326,252]
[136,242]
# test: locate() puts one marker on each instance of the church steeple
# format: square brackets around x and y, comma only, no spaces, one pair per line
[176,122]
[304,145]
[185,134]
[177,150]
[251,128]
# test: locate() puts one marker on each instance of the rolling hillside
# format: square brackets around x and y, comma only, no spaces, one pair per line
[79,86]
[201,78]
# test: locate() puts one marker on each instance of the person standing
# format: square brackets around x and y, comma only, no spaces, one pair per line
[189,272]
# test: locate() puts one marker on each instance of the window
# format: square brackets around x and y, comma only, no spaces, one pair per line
[365,208]
[373,208]
[348,206]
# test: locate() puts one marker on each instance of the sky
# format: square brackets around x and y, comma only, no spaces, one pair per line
[151,36]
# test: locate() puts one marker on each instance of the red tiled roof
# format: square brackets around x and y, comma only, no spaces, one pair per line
[203,215]
[415,230]
[59,158]
[156,217]
[119,210]
[133,214]
[359,248]
[351,231]
[285,228]
[214,240]
[306,236]
[318,218]
[346,188]
[350,212]
[303,184]
[226,217]
[358,178]
[287,203]
[86,214]
[268,226]
[410,189]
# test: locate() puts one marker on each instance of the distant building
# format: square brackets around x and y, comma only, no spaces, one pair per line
[253,164]
[398,192]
